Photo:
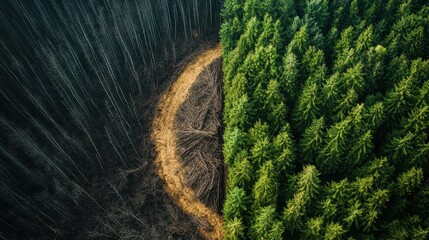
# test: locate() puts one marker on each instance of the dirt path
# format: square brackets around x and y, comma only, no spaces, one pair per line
[167,161]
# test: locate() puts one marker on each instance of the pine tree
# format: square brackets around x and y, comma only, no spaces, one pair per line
[308,182]
[379,168]
[265,224]
[345,104]
[417,119]
[273,95]
[245,45]
[286,11]
[270,33]
[335,146]
[316,17]
[401,148]
[407,36]
[234,229]
[423,97]
[374,116]
[307,108]
[334,231]
[265,190]
[314,228]
[261,151]
[276,231]
[346,42]
[289,77]
[229,35]
[240,110]
[259,131]
[312,140]
[353,79]
[354,212]
[293,213]
[365,41]
[375,68]
[232,9]
[240,174]
[234,142]
[236,204]
[275,104]
[408,181]
[330,93]
[300,42]
[313,66]
[253,8]
[361,148]
[373,206]
[283,147]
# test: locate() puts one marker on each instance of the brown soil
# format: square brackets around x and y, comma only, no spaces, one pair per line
[167,160]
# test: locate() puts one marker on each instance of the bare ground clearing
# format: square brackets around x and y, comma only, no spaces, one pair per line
[167,161]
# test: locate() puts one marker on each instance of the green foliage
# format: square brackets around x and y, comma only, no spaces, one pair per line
[407,36]
[307,108]
[410,180]
[312,140]
[289,77]
[234,229]
[241,173]
[308,182]
[334,231]
[314,228]
[261,151]
[235,206]
[266,226]
[265,190]
[234,143]
[343,86]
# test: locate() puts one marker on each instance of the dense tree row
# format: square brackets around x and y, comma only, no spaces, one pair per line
[327,119]
[74,75]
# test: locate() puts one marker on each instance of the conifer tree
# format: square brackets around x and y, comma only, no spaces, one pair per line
[234,229]
[408,181]
[293,213]
[313,66]
[232,9]
[334,231]
[265,190]
[270,33]
[330,93]
[260,66]
[236,204]
[345,104]
[300,42]
[283,147]
[308,182]
[314,228]
[234,142]
[240,174]
[261,151]
[312,140]
[259,131]
[265,224]
[335,146]
[307,108]
[289,77]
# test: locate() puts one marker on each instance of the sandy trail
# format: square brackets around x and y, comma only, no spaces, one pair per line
[167,161]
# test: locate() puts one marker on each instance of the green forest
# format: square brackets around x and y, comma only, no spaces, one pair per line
[326,119]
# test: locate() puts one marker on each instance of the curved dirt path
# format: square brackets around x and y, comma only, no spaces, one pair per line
[167,161]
